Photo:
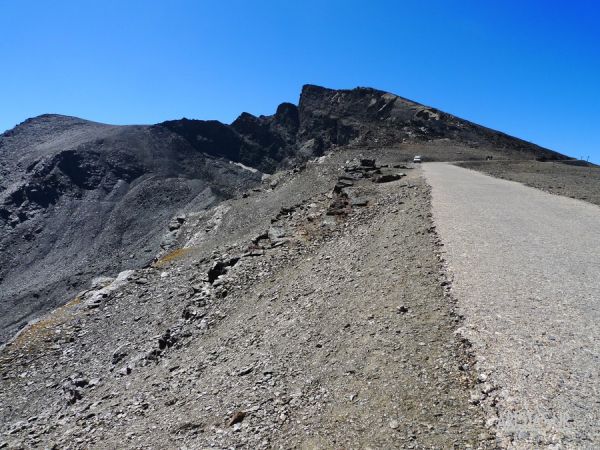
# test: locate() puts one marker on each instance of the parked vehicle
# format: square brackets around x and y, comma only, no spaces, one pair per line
[417,159]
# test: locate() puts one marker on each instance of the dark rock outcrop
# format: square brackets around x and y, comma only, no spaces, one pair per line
[373,118]
[326,118]
[263,142]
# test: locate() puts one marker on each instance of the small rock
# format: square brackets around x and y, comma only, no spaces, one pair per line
[394,424]
[245,371]
[236,418]
[80,381]
[119,354]
[475,399]
[386,178]
[486,388]
[176,223]
[100,282]
[492,421]
[367,162]
[360,201]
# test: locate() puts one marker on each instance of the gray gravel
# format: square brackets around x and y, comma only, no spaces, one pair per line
[526,276]
[335,332]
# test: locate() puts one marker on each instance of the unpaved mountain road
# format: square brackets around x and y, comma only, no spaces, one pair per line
[526,274]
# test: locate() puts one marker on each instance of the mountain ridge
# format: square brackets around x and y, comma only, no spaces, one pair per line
[76,196]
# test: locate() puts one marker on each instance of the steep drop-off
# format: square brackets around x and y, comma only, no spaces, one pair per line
[80,199]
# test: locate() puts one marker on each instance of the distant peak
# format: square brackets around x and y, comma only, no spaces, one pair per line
[53,117]
[314,89]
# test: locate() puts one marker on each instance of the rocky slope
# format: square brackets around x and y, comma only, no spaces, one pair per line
[313,315]
[80,199]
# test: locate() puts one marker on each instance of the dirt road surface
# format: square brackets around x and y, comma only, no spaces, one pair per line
[526,271]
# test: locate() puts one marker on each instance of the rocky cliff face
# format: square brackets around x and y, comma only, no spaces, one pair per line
[327,118]
[80,199]
[368,117]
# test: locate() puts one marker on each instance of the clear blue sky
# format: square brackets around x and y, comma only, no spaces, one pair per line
[530,68]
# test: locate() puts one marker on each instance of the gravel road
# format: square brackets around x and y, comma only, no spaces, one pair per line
[527,279]
[561,178]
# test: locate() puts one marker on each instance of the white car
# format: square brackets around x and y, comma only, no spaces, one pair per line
[417,159]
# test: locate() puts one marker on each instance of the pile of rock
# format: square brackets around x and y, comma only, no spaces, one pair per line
[345,196]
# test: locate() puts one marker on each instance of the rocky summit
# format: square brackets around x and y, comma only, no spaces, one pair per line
[276,282]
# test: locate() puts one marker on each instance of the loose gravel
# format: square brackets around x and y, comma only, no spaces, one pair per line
[525,267]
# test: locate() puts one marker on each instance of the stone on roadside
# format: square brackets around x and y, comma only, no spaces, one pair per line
[387,178]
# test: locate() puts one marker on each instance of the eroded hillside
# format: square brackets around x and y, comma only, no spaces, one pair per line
[310,313]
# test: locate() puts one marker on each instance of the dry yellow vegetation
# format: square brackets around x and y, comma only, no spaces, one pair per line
[34,334]
[171,256]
